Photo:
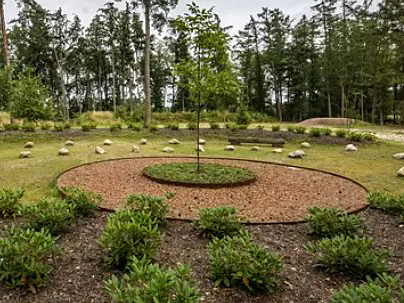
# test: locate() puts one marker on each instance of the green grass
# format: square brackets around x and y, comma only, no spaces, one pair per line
[209,174]
[372,166]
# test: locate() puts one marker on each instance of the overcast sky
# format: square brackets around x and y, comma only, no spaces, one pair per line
[232,12]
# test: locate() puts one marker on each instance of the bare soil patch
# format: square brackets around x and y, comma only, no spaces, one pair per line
[280,193]
[327,121]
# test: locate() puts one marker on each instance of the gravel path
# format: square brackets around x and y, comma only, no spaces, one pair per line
[280,194]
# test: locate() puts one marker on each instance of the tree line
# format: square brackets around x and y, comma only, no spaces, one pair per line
[346,60]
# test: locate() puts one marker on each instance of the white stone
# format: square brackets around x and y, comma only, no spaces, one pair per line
[202,141]
[63,152]
[25,154]
[255,148]
[69,143]
[143,141]
[400,172]
[277,150]
[351,148]
[200,148]
[173,141]
[168,150]
[108,142]
[229,148]
[29,145]
[297,154]
[305,145]
[399,156]
[135,149]
[99,150]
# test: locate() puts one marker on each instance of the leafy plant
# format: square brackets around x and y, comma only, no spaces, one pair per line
[83,203]
[46,126]
[356,137]
[328,222]
[390,203]
[214,125]
[260,127]
[52,214]
[315,132]
[219,222]
[10,201]
[276,128]
[115,127]
[86,127]
[59,127]
[300,130]
[191,126]
[383,289]
[24,254]
[242,115]
[11,127]
[135,127]
[291,129]
[173,126]
[149,283]
[156,206]
[153,128]
[326,131]
[352,255]
[28,127]
[239,261]
[341,133]
[130,233]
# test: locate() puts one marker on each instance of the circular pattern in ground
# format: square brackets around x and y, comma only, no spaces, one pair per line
[209,175]
[280,193]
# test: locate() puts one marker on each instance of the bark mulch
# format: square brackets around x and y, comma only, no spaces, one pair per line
[280,193]
[80,270]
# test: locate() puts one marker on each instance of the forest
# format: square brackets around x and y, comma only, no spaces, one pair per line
[344,60]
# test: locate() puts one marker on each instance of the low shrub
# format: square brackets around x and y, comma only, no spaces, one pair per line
[10,201]
[219,222]
[115,127]
[58,127]
[148,282]
[229,125]
[130,233]
[52,214]
[315,132]
[300,130]
[153,128]
[328,222]
[214,125]
[341,133]
[11,127]
[192,126]
[46,126]
[24,254]
[83,203]
[326,132]
[156,206]
[351,255]
[173,126]
[275,128]
[260,127]
[239,261]
[135,127]
[368,137]
[390,203]
[291,129]
[86,127]
[66,125]
[243,117]
[28,127]
[383,289]
[356,137]
[242,127]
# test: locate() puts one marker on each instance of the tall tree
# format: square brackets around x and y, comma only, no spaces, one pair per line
[6,55]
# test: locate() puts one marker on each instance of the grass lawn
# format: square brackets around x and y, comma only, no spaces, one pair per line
[372,166]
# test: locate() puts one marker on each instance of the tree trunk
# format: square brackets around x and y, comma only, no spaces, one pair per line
[147,100]
[113,81]
[4,35]
[343,101]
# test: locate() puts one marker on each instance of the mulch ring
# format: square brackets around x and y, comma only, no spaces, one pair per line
[79,272]
[280,194]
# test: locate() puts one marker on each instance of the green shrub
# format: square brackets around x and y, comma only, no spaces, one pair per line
[10,201]
[260,127]
[384,289]
[28,127]
[275,128]
[82,203]
[239,261]
[356,137]
[242,115]
[153,128]
[192,126]
[52,214]
[229,125]
[86,127]
[326,132]
[242,127]
[46,126]
[150,283]
[11,127]
[156,206]
[59,127]
[368,137]
[24,254]
[135,127]
[300,130]
[291,129]
[66,125]
[219,222]
[328,222]
[352,255]
[315,132]
[214,125]
[115,127]
[341,133]
[130,233]
[173,126]
[390,203]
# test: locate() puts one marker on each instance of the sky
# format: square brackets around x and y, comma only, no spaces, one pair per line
[231,12]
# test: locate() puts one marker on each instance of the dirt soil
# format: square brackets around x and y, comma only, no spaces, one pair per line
[327,121]
[280,193]
[80,270]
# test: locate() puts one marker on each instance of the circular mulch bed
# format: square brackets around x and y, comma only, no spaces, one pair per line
[280,194]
